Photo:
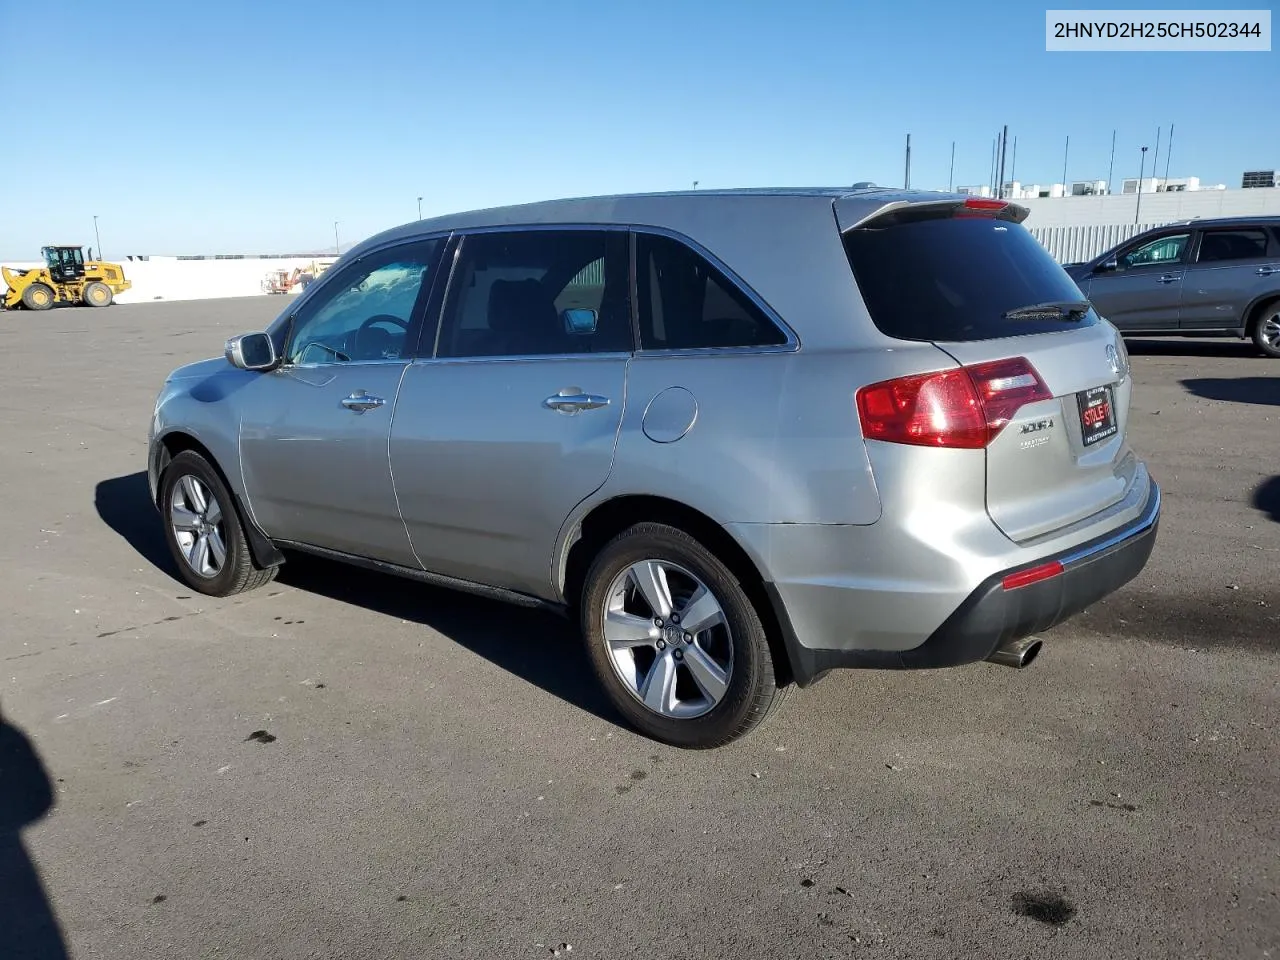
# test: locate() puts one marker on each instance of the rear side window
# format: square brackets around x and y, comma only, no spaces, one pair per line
[687,304]
[955,278]
[1217,246]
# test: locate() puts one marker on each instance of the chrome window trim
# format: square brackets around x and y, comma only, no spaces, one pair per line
[340,364]
[792,344]
[513,358]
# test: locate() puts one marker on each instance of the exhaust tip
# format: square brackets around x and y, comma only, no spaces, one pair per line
[1017,653]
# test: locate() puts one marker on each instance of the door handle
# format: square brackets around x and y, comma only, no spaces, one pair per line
[361,401]
[574,401]
[1267,271]
[1167,278]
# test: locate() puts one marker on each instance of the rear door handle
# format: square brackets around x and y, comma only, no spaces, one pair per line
[361,401]
[1167,278]
[1267,271]
[574,401]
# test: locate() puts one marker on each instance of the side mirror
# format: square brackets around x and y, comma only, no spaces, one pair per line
[252,351]
[580,322]
[1109,265]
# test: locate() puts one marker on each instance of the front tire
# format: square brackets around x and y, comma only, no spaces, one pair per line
[98,294]
[1266,331]
[38,296]
[203,530]
[674,639]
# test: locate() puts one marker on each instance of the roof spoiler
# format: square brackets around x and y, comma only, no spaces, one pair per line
[908,211]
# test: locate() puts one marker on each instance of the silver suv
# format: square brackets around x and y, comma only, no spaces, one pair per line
[745,437]
[1192,279]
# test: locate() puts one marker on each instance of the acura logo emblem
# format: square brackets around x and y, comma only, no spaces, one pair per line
[1114,360]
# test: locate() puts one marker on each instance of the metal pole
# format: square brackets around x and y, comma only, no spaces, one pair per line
[419,208]
[695,184]
[951,177]
[337,247]
[1065,151]
[1168,155]
[1141,170]
[906,176]
[96,237]
[1013,164]
[1112,169]
[991,177]
[1004,145]
[1155,157]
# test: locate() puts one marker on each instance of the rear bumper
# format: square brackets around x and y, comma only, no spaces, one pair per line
[991,615]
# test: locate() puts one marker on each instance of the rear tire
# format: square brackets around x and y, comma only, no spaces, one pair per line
[38,296]
[1266,330]
[98,294]
[697,689]
[203,530]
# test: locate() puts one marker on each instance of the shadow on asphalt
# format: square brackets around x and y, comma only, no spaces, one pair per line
[124,504]
[1267,498]
[1264,391]
[539,647]
[28,928]
[536,646]
[1191,347]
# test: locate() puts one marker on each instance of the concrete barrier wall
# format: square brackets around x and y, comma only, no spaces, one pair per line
[171,279]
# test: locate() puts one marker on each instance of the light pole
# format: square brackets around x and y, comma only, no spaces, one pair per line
[419,208]
[337,247]
[96,237]
[1142,168]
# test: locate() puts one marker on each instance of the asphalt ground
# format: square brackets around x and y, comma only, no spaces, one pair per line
[342,765]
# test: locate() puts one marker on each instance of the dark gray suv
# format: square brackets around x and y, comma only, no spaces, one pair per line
[1192,278]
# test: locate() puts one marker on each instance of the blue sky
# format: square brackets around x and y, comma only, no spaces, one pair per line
[244,127]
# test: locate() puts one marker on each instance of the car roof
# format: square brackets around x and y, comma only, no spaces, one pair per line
[660,209]
[1238,221]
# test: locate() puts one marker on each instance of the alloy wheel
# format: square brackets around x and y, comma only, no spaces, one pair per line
[668,639]
[196,519]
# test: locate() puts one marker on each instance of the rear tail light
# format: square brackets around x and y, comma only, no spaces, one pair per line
[963,408]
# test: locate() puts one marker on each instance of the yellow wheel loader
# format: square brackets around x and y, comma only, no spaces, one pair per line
[66,277]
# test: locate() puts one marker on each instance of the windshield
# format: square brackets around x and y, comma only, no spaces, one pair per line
[955,279]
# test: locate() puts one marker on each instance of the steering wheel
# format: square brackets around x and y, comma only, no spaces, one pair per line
[372,322]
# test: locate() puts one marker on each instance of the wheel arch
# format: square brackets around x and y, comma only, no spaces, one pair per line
[1253,313]
[606,520]
[168,446]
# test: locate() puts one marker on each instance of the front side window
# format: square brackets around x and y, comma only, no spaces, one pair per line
[1217,246]
[538,293]
[1159,252]
[687,304]
[367,311]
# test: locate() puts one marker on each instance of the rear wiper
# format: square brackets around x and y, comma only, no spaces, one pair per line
[1058,309]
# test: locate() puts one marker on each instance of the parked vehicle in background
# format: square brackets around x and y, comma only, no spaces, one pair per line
[1193,278]
[745,437]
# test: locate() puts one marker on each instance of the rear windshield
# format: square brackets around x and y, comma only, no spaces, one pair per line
[955,278]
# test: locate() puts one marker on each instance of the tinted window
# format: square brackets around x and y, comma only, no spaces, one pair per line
[1161,251]
[1238,244]
[366,311]
[686,303]
[537,293]
[955,278]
